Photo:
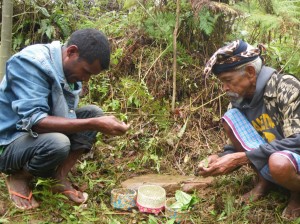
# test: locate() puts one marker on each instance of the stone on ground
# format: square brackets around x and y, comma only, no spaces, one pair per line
[170,183]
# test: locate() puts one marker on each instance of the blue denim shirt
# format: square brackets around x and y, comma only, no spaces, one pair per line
[33,88]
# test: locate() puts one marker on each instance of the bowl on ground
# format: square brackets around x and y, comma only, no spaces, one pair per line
[151,199]
[175,213]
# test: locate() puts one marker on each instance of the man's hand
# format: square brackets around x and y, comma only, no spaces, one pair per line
[110,125]
[207,161]
[222,165]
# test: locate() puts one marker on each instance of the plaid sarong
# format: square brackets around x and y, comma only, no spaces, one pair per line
[243,130]
[250,139]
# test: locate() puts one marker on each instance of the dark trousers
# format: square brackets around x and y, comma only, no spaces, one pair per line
[42,155]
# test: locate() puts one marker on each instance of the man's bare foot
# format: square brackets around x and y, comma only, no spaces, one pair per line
[63,185]
[261,189]
[292,210]
[66,188]
[19,191]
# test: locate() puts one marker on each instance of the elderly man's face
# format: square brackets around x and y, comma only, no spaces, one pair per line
[239,85]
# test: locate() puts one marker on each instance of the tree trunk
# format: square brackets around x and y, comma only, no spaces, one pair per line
[175,54]
[6,34]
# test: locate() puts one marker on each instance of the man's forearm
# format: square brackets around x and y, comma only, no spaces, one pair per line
[63,125]
[241,158]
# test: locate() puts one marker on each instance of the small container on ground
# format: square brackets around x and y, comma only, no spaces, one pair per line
[123,199]
[175,213]
[151,199]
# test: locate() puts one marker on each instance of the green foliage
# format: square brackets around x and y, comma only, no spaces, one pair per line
[154,220]
[37,22]
[137,96]
[184,201]
[206,21]
[276,30]
[136,93]
[112,23]
[150,158]
[116,55]
[129,3]
[160,26]
[183,56]
[46,28]
[284,20]
[284,57]
[98,89]
[62,22]
[4,220]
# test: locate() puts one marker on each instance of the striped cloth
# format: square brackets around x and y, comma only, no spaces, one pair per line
[243,130]
[250,139]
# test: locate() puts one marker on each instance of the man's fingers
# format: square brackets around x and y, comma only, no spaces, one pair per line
[122,129]
[200,165]
[202,171]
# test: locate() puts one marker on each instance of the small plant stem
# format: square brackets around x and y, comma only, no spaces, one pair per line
[159,56]
[202,105]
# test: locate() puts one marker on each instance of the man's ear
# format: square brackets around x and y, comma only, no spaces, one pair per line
[250,71]
[72,51]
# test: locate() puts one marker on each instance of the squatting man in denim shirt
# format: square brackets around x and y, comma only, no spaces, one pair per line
[42,132]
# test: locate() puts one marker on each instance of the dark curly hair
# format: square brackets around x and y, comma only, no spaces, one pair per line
[92,45]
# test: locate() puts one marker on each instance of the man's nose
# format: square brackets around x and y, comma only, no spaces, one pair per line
[225,87]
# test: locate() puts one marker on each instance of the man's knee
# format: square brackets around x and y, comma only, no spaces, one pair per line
[58,141]
[280,167]
[58,146]
[49,157]
[89,112]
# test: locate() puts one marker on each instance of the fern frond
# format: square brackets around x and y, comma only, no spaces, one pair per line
[217,7]
[267,22]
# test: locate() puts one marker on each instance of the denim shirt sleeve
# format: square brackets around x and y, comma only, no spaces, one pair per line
[30,89]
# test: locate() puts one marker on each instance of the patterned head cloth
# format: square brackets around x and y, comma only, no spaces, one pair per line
[230,56]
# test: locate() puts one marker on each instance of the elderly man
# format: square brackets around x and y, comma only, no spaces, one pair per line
[42,132]
[263,124]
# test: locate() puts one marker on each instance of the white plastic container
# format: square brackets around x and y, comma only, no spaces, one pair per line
[151,199]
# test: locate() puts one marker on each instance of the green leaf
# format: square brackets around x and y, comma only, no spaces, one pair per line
[129,3]
[43,11]
[171,221]
[183,197]
[49,31]
[152,220]
[4,220]
[184,201]
[182,130]
[41,182]
[206,162]
[177,205]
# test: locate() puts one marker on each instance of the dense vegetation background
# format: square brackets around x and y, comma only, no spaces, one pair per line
[173,110]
